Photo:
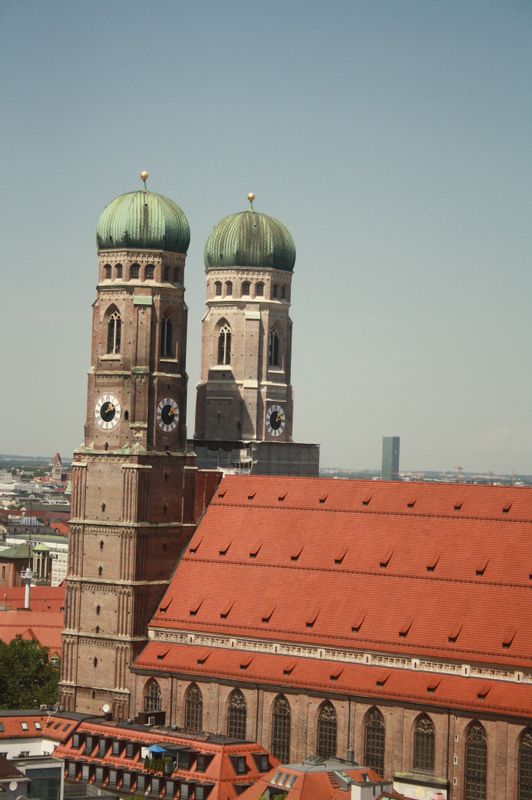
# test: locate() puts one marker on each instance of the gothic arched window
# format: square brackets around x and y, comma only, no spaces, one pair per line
[327,725]
[107,272]
[424,744]
[152,696]
[118,271]
[193,708]
[259,290]
[224,344]
[229,288]
[150,272]
[476,763]
[218,288]
[166,337]
[236,715]
[114,330]
[524,778]
[374,734]
[246,286]
[273,348]
[134,272]
[275,290]
[281,724]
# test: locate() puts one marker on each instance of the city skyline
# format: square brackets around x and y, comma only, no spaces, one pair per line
[392,142]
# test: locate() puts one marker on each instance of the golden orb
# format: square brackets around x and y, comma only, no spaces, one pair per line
[144,176]
[251,197]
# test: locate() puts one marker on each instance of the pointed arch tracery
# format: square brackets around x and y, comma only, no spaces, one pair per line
[193,708]
[236,715]
[152,696]
[166,336]
[424,735]
[224,343]
[524,777]
[374,740]
[114,330]
[476,762]
[274,349]
[327,730]
[281,728]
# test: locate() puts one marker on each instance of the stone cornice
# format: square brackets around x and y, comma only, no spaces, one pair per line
[336,654]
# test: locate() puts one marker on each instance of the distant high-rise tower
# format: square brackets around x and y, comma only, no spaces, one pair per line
[390,458]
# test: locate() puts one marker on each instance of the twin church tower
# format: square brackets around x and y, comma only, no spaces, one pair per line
[138,488]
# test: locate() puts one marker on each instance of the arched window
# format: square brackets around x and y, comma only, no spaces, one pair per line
[107,272]
[114,330]
[327,725]
[150,272]
[275,290]
[134,272]
[283,292]
[476,763]
[166,337]
[524,779]
[176,275]
[424,744]
[152,696]
[218,288]
[224,344]
[281,723]
[228,288]
[374,734]
[118,271]
[273,348]
[246,286]
[166,274]
[236,715]
[259,290]
[193,708]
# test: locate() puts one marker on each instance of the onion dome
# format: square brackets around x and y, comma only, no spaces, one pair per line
[250,239]
[143,220]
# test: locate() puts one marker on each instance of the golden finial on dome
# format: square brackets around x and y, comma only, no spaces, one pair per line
[144,175]
[251,198]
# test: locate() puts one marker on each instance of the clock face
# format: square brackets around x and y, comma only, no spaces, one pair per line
[275,420]
[167,414]
[107,411]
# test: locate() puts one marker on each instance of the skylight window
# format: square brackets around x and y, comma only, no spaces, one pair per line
[24,726]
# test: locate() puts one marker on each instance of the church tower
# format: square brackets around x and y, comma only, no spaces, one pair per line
[129,477]
[244,409]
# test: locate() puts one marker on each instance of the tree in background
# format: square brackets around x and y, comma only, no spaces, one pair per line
[27,679]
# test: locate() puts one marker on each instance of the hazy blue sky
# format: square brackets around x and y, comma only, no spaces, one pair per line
[393,138]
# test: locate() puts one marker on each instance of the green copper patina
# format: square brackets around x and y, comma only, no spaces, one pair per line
[143,220]
[250,239]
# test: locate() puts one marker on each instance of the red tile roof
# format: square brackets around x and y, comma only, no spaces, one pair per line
[220,770]
[316,779]
[44,627]
[434,571]
[31,725]
[42,598]
[401,685]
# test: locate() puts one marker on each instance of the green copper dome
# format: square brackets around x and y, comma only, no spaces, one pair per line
[250,239]
[145,221]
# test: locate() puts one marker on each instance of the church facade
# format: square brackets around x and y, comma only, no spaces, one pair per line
[386,621]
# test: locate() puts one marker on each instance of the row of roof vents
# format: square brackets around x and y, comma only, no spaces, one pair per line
[365,501]
[431,561]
